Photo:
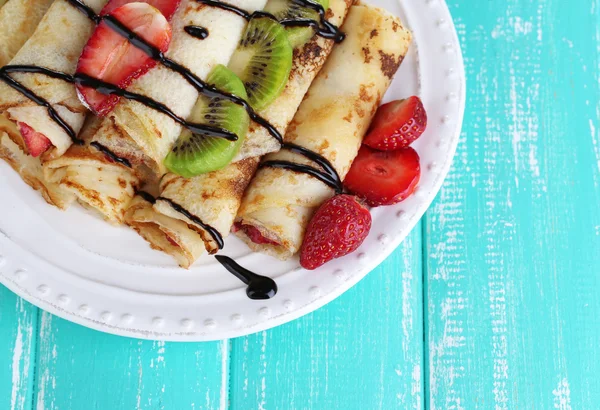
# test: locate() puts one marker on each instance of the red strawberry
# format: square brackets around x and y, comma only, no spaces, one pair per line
[384,177]
[111,58]
[338,228]
[254,234]
[37,143]
[166,7]
[397,124]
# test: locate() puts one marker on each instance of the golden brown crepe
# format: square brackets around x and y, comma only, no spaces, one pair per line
[331,121]
[18,20]
[215,197]
[307,62]
[215,205]
[56,44]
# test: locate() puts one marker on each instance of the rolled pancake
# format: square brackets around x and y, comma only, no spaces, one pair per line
[307,62]
[331,121]
[215,205]
[145,136]
[96,181]
[18,20]
[131,121]
[12,150]
[215,197]
[56,44]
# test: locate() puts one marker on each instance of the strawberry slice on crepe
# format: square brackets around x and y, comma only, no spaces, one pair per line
[111,58]
[36,142]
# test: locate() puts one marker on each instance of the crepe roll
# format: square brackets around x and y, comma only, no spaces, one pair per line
[307,61]
[56,44]
[18,20]
[331,121]
[184,221]
[145,136]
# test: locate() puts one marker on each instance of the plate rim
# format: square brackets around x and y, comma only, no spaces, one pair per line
[19,281]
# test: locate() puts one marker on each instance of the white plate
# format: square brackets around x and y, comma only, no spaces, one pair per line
[76,266]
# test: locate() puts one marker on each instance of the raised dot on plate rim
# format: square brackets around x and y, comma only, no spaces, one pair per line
[127,318]
[236,317]
[106,316]
[158,321]
[264,311]
[314,291]
[43,289]
[64,299]
[187,323]
[383,238]
[210,323]
[20,274]
[84,309]
[288,304]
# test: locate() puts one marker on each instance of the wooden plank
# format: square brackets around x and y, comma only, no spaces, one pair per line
[362,351]
[17,350]
[79,368]
[512,287]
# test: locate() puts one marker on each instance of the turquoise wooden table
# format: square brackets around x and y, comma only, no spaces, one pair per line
[493,302]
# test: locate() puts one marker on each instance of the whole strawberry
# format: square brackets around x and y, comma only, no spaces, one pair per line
[397,124]
[338,228]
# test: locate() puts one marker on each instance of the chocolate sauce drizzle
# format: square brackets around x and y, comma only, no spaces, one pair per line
[111,155]
[327,174]
[146,196]
[259,287]
[212,231]
[110,89]
[198,32]
[323,27]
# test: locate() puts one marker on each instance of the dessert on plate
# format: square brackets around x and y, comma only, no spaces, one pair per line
[190,119]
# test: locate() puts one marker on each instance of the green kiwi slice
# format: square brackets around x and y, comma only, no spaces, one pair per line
[263,61]
[195,154]
[294,10]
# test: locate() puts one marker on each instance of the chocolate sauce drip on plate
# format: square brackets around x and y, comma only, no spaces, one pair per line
[259,287]
[111,155]
[218,238]
[146,196]
[327,174]
[198,32]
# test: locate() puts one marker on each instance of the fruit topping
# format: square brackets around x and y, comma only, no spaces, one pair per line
[338,228]
[397,124]
[108,56]
[254,234]
[36,142]
[383,177]
[263,61]
[195,154]
[166,7]
[294,10]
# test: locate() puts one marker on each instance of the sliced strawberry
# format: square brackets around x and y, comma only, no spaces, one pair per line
[338,228]
[254,234]
[166,7]
[37,143]
[384,177]
[111,58]
[397,124]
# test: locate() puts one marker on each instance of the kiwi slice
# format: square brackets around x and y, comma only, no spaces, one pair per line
[263,61]
[295,10]
[195,154]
